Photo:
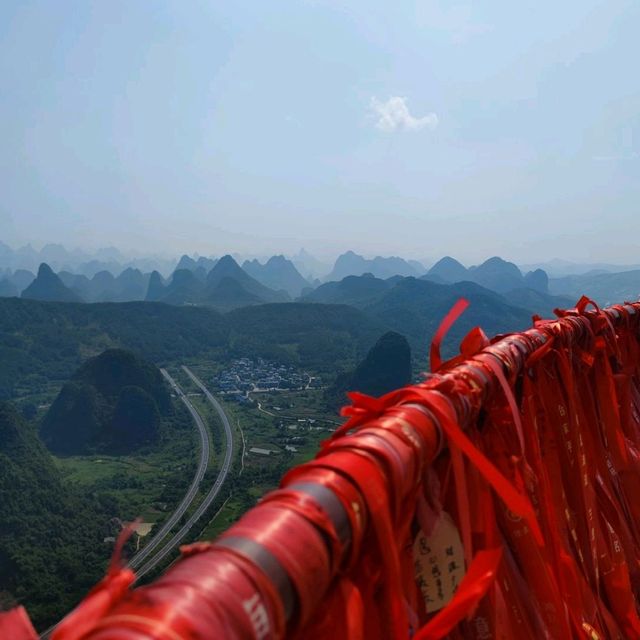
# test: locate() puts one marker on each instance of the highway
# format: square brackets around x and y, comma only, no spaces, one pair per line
[215,489]
[186,501]
[195,484]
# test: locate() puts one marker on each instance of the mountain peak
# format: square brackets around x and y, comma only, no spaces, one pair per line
[113,403]
[45,271]
[49,287]
[498,265]
[155,288]
[447,261]
[186,262]
[226,266]
[278,273]
[498,275]
[103,278]
[538,280]
[449,269]
[386,367]
[495,259]
[352,264]
[227,261]
[253,291]
[277,260]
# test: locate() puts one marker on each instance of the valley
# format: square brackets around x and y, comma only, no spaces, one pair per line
[184,409]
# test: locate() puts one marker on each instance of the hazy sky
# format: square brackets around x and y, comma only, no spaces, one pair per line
[395,127]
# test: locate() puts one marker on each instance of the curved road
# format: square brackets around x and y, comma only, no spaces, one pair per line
[186,501]
[211,496]
[195,484]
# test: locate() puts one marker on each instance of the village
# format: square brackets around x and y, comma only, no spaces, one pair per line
[246,375]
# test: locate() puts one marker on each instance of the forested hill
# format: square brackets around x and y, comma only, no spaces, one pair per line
[113,404]
[41,342]
[47,341]
[386,367]
[49,536]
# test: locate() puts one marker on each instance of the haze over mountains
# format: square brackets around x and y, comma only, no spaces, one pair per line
[230,282]
[352,264]
[495,274]
[49,287]
[97,340]
[226,286]
[278,273]
[78,261]
[326,326]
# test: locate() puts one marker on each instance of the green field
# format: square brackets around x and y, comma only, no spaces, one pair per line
[151,483]
[146,485]
[274,426]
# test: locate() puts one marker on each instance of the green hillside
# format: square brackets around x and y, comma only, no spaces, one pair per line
[51,538]
[415,309]
[386,367]
[113,404]
[41,343]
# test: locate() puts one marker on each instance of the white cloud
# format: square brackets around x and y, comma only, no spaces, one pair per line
[394,115]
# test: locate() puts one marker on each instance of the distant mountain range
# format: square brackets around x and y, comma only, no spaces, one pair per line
[559,268]
[131,284]
[278,273]
[78,261]
[414,307]
[226,286]
[505,277]
[405,304]
[16,281]
[309,266]
[356,291]
[605,288]
[352,264]
[223,284]
[201,265]
[495,274]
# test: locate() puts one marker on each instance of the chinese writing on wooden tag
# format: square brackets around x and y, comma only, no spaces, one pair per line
[438,561]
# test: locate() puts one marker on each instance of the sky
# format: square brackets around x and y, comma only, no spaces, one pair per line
[413,128]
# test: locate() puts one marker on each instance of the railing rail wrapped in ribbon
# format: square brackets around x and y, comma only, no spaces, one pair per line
[499,498]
